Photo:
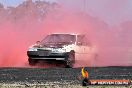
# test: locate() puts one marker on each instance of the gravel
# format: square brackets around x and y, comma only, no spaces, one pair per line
[58,77]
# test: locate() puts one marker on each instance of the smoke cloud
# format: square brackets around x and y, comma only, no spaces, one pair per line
[22,30]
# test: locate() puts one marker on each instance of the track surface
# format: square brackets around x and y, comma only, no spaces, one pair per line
[43,75]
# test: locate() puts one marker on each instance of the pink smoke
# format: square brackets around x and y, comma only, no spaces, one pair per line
[16,37]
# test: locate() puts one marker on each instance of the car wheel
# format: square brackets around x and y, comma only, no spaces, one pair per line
[31,61]
[73,57]
[71,60]
[68,64]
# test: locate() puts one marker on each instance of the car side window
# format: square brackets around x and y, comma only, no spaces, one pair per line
[82,40]
[79,40]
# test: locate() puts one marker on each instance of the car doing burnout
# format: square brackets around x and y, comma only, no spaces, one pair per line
[59,47]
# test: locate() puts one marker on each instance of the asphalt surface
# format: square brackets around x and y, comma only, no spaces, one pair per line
[43,75]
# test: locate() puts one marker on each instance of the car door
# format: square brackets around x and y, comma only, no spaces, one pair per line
[86,45]
[79,48]
[84,54]
[83,45]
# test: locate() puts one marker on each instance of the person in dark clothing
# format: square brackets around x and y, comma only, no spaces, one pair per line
[85,75]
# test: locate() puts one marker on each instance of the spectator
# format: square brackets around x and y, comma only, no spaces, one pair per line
[85,75]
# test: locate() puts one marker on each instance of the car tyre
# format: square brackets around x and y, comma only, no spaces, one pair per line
[31,62]
[71,60]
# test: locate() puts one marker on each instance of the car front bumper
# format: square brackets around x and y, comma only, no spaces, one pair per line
[47,55]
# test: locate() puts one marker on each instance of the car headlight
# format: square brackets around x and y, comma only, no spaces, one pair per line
[32,49]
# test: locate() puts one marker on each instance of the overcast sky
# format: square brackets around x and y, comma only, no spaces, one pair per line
[110,11]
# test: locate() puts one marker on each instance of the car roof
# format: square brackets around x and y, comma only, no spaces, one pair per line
[68,33]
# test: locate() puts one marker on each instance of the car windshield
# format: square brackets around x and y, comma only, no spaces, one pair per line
[59,39]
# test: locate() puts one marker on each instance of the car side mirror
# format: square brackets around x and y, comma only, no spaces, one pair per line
[37,42]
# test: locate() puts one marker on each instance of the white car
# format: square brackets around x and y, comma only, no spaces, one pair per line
[65,48]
